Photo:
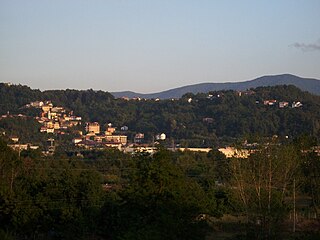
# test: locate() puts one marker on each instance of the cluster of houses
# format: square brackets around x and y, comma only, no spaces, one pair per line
[273,102]
[54,119]
[17,146]
[8,115]
[96,139]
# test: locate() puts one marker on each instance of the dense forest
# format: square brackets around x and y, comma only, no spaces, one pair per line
[201,120]
[273,194]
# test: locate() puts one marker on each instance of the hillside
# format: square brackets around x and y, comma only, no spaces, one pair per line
[193,120]
[305,84]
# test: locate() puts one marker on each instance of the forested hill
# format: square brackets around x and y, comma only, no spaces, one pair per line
[196,120]
[306,84]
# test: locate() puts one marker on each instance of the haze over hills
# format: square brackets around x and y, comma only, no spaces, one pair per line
[305,84]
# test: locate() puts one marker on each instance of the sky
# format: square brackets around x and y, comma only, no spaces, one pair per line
[154,45]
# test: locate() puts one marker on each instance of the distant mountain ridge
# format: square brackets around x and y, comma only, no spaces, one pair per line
[306,84]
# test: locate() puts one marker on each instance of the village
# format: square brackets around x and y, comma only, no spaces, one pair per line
[58,121]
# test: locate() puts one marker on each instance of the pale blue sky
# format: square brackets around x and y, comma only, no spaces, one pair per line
[149,46]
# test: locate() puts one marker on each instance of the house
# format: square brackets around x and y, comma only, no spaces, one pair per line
[205,150]
[114,145]
[245,93]
[316,149]
[72,118]
[19,147]
[58,110]
[36,104]
[48,124]
[74,123]
[270,102]
[93,127]
[99,138]
[296,104]
[124,128]
[76,140]
[89,144]
[116,139]
[43,129]
[49,103]
[46,130]
[161,136]
[50,130]
[283,104]
[51,115]
[145,149]
[207,120]
[56,125]
[110,130]
[14,139]
[138,138]
[46,108]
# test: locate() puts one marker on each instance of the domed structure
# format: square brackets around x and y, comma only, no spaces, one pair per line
[163,136]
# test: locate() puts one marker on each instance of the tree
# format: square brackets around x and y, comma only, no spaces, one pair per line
[262,181]
[158,202]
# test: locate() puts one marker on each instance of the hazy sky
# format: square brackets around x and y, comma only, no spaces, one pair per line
[149,46]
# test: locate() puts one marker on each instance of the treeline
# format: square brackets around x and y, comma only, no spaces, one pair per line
[169,195]
[201,121]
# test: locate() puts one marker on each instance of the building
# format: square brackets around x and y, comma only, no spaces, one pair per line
[140,149]
[161,136]
[93,127]
[89,144]
[207,120]
[230,152]
[76,140]
[20,147]
[269,102]
[46,108]
[50,130]
[56,125]
[296,104]
[116,139]
[15,139]
[204,150]
[48,124]
[124,128]
[36,104]
[111,130]
[138,138]
[114,145]
[51,145]
[283,104]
